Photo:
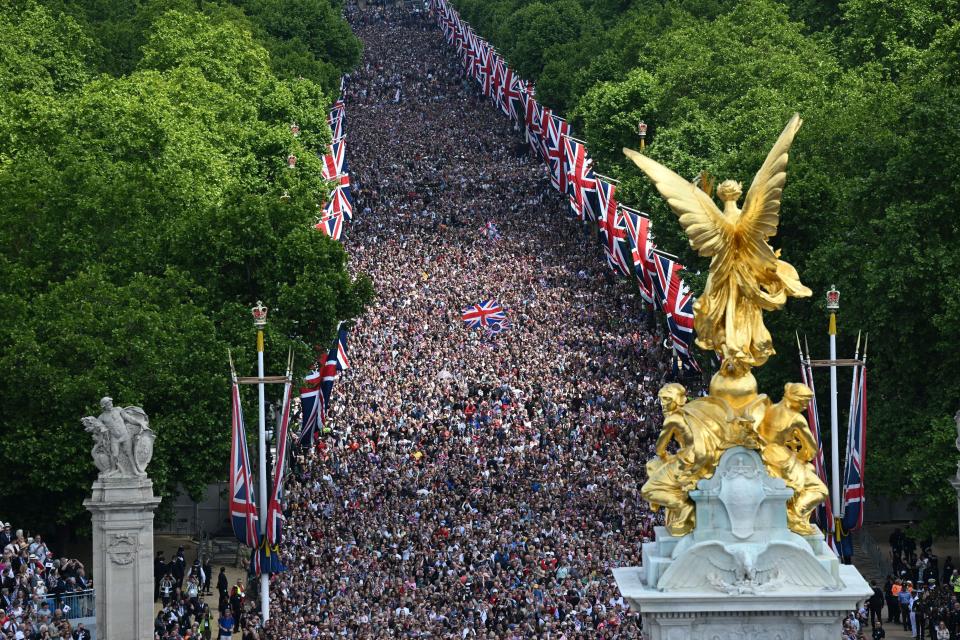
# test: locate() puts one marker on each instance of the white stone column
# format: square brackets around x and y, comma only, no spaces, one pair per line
[122,511]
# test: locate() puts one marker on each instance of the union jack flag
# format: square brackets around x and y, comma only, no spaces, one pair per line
[555,150]
[336,118]
[581,182]
[339,202]
[483,69]
[824,512]
[853,485]
[243,507]
[310,408]
[483,314]
[335,162]
[641,243]
[332,225]
[677,303]
[274,512]
[338,110]
[533,114]
[613,232]
[470,53]
[510,101]
[497,75]
[318,388]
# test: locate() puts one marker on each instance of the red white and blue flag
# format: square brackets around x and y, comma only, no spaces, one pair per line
[824,512]
[533,114]
[339,202]
[581,181]
[853,485]
[310,409]
[676,301]
[510,95]
[335,162]
[555,150]
[275,517]
[318,388]
[331,225]
[641,253]
[243,507]
[613,234]
[483,314]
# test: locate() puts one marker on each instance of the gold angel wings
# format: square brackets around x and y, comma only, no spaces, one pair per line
[746,275]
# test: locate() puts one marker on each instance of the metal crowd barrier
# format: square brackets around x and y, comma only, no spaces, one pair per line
[81,603]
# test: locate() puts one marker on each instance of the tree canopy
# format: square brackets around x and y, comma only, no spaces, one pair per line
[871,190]
[142,158]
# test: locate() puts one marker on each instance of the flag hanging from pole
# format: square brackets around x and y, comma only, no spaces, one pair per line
[243,508]
[309,409]
[853,485]
[315,395]
[274,512]
[824,512]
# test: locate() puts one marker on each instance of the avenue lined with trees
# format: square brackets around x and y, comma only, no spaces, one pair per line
[871,197]
[143,151]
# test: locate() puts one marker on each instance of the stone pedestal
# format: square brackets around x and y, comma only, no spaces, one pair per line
[741,574]
[122,511]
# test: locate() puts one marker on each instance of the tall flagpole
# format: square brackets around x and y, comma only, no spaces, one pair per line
[260,321]
[833,304]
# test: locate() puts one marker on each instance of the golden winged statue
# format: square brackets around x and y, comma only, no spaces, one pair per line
[746,275]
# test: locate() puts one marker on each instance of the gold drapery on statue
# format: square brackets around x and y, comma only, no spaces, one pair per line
[746,278]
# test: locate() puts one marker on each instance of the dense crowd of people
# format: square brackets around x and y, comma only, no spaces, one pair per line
[38,589]
[470,485]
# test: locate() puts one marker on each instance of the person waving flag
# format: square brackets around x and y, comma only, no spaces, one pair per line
[484,314]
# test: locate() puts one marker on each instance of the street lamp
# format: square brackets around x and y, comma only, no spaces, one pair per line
[259,313]
[642,130]
[291,161]
[833,305]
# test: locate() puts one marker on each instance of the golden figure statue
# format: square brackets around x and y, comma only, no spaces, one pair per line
[788,448]
[746,278]
[698,430]
[746,275]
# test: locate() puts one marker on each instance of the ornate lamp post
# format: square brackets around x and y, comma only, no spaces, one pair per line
[260,321]
[833,305]
[294,130]
[642,131]
[291,161]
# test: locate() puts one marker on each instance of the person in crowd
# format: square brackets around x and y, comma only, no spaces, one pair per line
[875,604]
[226,624]
[223,583]
[81,633]
[167,585]
[159,570]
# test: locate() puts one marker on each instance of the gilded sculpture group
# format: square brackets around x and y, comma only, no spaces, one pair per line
[746,278]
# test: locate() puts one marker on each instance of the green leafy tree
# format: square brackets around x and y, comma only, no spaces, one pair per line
[871,187]
[142,218]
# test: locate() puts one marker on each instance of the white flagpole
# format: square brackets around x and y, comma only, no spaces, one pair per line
[834,421]
[260,321]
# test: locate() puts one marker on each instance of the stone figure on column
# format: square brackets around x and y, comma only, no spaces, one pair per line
[121,507]
[122,440]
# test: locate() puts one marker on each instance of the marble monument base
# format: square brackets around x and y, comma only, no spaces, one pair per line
[122,511]
[741,574]
[721,616]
